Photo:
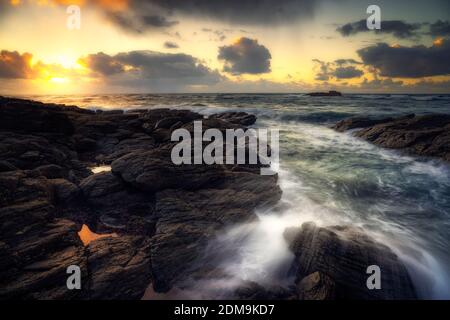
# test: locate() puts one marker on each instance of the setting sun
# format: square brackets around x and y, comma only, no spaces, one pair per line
[59,80]
[68,62]
[254,150]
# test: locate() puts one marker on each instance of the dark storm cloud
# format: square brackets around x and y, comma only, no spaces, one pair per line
[140,23]
[245,56]
[103,64]
[381,83]
[144,15]
[440,29]
[341,62]
[397,28]
[14,65]
[347,72]
[152,66]
[324,72]
[339,69]
[240,11]
[170,45]
[408,62]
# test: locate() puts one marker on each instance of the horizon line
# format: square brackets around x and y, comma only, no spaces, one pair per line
[211,93]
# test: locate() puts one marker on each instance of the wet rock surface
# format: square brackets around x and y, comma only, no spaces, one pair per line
[425,135]
[331,263]
[188,221]
[163,214]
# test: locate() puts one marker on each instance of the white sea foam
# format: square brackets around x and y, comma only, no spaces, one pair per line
[329,178]
[263,254]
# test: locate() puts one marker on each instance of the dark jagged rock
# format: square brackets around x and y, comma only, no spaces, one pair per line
[25,203]
[164,215]
[115,205]
[154,170]
[51,171]
[25,116]
[156,118]
[241,118]
[167,123]
[41,153]
[213,123]
[253,291]
[158,210]
[26,151]
[114,258]
[100,184]
[65,191]
[6,166]
[111,268]
[427,135]
[341,255]
[36,248]
[357,123]
[39,262]
[316,286]
[84,144]
[189,220]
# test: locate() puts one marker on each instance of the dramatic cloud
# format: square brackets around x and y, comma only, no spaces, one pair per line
[151,68]
[341,62]
[347,72]
[381,84]
[339,69]
[390,85]
[139,23]
[324,72]
[408,62]
[397,28]
[245,56]
[103,64]
[134,71]
[239,11]
[170,45]
[440,29]
[14,65]
[144,15]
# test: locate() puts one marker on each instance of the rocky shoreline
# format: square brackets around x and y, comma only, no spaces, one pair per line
[164,215]
[424,135]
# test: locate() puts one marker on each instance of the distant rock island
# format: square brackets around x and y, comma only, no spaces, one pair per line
[331,93]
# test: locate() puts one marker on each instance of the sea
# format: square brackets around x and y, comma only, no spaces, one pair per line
[327,177]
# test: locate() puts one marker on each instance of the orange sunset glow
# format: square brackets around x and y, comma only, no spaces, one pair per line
[264,152]
[53,59]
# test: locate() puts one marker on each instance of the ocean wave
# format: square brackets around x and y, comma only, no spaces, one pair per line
[434,169]
[400,97]
[371,96]
[315,117]
[431,98]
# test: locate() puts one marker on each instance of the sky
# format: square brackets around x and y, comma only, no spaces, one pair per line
[163,46]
